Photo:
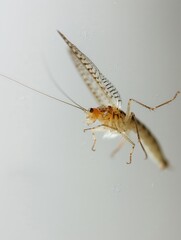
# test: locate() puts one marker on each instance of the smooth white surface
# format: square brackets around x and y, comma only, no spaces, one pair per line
[52,186]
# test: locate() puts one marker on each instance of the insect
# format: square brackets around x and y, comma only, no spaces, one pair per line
[109,116]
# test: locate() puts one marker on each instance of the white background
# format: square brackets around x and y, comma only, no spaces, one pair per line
[52,186]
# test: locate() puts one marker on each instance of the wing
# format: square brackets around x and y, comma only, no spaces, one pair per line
[102,89]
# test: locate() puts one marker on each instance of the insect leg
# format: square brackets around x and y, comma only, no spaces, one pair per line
[128,112]
[93,134]
[96,127]
[122,133]
[118,147]
[138,135]
[94,140]
[133,146]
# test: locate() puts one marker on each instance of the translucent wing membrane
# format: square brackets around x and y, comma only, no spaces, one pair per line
[96,90]
[102,89]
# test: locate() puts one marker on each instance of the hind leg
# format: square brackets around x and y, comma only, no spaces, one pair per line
[128,112]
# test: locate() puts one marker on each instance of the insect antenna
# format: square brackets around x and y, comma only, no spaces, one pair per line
[58,86]
[73,104]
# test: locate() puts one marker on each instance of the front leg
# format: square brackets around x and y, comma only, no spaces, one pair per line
[92,129]
[122,133]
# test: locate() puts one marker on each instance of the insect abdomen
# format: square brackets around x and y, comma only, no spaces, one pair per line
[151,145]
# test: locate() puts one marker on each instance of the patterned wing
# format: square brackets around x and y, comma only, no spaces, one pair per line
[102,89]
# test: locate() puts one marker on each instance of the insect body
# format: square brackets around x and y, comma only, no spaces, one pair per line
[109,115]
[116,121]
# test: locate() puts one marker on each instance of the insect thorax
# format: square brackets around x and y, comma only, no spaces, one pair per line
[110,116]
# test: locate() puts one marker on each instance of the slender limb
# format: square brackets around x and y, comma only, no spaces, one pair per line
[93,135]
[138,135]
[118,147]
[122,133]
[94,141]
[131,153]
[150,108]
[96,127]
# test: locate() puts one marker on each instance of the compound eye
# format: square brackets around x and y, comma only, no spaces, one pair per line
[91,110]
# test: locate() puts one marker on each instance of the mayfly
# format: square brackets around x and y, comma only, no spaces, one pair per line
[110,117]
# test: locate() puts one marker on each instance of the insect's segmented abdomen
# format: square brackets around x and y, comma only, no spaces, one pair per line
[151,144]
